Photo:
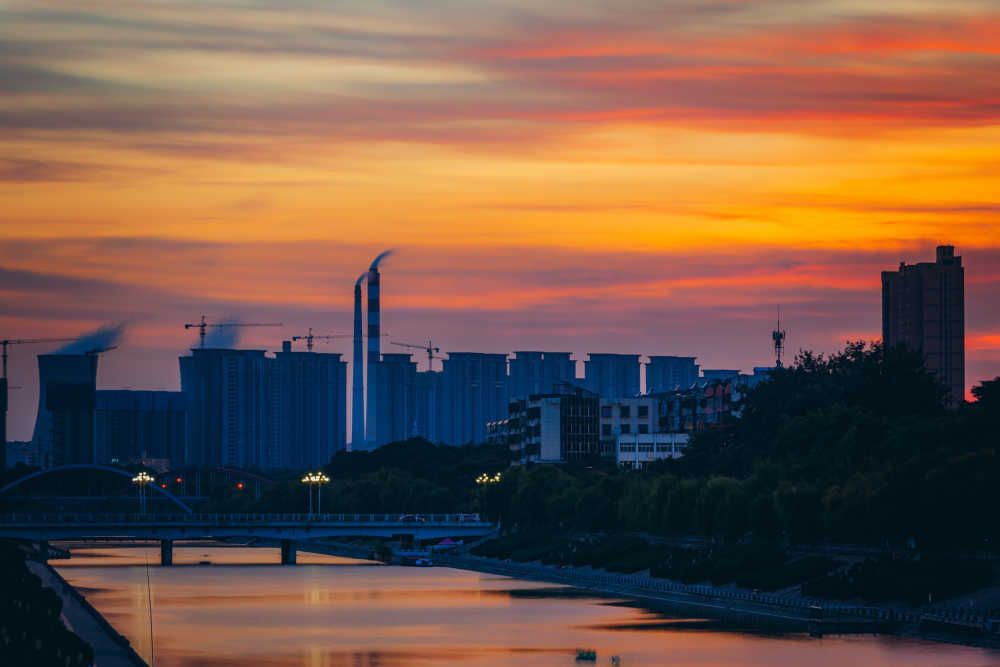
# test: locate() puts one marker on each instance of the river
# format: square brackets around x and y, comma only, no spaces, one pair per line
[244,609]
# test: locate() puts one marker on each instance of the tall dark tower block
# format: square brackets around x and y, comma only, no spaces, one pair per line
[923,308]
[65,424]
[358,390]
[374,353]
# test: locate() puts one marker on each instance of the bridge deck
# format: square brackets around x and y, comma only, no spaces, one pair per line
[72,525]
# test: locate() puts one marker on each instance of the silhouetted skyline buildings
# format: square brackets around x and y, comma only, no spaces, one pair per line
[923,309]
[247,408]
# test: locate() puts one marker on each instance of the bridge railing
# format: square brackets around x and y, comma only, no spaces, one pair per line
[241,518]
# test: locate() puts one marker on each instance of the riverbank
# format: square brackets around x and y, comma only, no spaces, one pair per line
[778,612]
[771,612]
[111,649]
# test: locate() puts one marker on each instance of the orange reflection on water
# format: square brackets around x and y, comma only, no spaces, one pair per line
[245,609]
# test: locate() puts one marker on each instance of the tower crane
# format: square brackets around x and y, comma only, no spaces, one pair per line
[203,325]
[22,341]
[309,337]
[429,348]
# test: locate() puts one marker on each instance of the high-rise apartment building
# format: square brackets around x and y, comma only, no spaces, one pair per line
[230,396]
[310,412]
[719,374]
[396,378]
[474,392]
[538,372]
[664,373]
[923,308]
[612,375]
[428,406]
[134,425]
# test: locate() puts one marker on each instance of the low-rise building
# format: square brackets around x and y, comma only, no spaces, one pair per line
[555,427]
[702,406]
[635,451]
[626,416]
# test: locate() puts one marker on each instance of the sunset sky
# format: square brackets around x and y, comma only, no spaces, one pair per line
[644,177]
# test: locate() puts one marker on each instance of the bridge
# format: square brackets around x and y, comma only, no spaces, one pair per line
[285,528]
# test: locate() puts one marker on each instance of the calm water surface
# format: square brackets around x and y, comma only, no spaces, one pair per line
[244,609]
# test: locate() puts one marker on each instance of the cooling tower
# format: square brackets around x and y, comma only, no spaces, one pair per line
[64,427]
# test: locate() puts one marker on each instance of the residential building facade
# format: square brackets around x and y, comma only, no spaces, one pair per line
[555,427]
[612,375]
[474,391]
[923,309]
[664,373]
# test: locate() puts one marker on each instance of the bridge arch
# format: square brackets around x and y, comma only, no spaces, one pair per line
[94,466]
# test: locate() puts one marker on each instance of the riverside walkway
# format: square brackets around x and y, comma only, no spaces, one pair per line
[110,648]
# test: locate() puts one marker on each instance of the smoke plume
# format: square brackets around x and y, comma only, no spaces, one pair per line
[382,256]
[99,339]
[223,338]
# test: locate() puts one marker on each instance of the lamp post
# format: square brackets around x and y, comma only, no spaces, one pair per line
[483,481]
[318,479]
[142,479]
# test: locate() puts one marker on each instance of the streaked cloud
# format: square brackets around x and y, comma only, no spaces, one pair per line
[645,176]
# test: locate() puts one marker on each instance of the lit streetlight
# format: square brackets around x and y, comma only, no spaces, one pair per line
[317,479]
[142,479]
[486,478]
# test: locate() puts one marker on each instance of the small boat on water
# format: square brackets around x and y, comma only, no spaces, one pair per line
[587,654]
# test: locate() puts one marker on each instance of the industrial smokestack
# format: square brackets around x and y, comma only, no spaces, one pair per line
[358,390]
[374,344]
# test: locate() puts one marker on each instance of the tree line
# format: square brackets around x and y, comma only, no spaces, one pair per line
[857,447]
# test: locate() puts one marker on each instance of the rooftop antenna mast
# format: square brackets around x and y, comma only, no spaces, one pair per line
[778,335]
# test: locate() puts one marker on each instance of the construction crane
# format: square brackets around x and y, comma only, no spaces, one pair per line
[310,337]
[203,325]
[429,348]
[23,341]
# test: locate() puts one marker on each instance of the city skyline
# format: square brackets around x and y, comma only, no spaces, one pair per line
[157,368]
[649,178]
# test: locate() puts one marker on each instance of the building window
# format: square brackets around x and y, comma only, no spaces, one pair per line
[624,411]
[626,429]
[605,429]
[643,410]
[605,410]
[643,428]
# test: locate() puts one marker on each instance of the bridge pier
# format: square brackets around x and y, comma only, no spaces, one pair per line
[166,552]
[288,552]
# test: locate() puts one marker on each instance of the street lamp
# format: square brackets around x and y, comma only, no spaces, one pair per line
[317,479]
[486,478]
[142,479]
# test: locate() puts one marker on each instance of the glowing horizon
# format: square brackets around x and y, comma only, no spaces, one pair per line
[650,177]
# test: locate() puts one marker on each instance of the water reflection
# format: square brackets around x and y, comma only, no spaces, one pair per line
[245,609]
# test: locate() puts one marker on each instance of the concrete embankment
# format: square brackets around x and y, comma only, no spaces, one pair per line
[763,610]
[111,649]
